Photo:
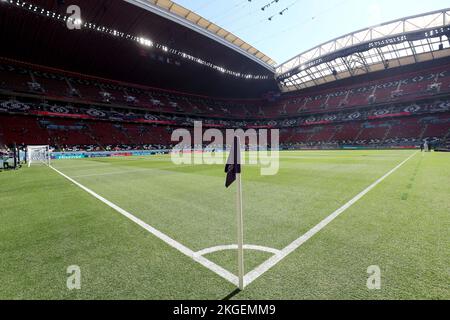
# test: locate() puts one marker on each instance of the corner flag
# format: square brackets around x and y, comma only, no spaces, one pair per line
[233,166]
[233,171]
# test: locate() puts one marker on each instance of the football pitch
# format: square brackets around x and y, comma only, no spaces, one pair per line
[144,228]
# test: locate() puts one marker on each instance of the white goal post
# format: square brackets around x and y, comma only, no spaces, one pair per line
[38,155]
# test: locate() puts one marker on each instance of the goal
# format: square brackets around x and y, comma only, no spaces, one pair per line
[38,155]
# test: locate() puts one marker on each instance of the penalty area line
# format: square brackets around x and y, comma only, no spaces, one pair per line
[171,242]
[266,266]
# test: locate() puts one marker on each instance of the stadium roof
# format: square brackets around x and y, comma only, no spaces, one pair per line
[400,42]
[123,41]
[190,19]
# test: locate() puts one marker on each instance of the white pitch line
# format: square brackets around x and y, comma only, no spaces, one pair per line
[266,266]
[235,247]
[174,244]
[225,274]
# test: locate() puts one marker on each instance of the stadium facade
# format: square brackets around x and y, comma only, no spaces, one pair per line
[135,70]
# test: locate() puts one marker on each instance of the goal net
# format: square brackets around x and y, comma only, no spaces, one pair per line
[38,155]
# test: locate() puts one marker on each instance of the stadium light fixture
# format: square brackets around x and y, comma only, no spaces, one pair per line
[145,42]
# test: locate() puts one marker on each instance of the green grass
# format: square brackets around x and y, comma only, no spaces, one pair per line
[48,224]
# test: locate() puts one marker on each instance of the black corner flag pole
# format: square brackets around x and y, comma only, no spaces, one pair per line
[233,170]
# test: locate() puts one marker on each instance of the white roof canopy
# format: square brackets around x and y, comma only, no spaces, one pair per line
[396,43]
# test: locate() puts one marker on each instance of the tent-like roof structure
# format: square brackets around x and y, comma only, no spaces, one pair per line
[397,43]
[125,40]
[172,10]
